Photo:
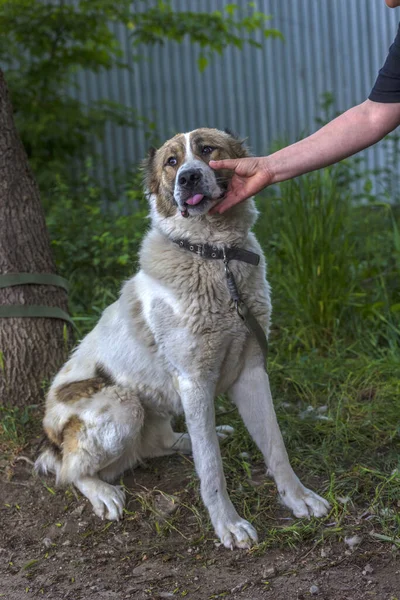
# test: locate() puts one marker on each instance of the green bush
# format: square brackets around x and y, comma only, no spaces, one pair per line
[95,247]
[332,264]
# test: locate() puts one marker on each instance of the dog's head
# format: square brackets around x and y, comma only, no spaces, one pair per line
[178,177]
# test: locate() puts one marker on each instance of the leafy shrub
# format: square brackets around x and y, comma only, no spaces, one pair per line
[313,263]
[332,263]
[95,247]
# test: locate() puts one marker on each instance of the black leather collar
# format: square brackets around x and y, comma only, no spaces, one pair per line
[213,252]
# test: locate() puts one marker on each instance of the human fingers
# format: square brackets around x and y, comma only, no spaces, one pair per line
[228,201]
[244,167]
[238,190]
[226,163]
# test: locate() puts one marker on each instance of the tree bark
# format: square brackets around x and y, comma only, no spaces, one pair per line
[31,349]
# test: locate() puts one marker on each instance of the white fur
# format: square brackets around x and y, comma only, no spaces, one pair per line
[172,342]
[189,154]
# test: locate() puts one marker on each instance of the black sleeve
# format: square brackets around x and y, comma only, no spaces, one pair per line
[387,85]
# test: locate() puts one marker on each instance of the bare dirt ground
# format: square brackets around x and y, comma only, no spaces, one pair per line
[52,546]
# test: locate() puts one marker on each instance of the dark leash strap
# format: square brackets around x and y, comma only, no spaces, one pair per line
[245,313]
[227,254]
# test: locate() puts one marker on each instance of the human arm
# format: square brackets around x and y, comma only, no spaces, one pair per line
[356,129]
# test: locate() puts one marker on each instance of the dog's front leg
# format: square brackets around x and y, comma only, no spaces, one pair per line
[251,393]
[198,405]
[197,392]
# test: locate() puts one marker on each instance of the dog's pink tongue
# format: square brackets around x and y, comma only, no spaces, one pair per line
[195,199]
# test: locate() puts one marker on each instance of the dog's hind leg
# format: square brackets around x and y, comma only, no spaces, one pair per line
[99,434]
[251,393]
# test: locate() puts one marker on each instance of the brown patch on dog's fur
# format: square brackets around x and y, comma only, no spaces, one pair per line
[225,145]
[160,177]
[76,390]
[102,372]
[54,438]
[70,432]
[165,207]
[142,330]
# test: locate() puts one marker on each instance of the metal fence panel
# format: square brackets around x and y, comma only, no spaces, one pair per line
[334,46]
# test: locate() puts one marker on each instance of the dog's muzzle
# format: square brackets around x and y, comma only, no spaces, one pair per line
[194,186]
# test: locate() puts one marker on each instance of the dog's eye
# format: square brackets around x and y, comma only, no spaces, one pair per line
[207,150]
[172,161]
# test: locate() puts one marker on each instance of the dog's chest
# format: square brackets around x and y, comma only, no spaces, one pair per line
[195,325]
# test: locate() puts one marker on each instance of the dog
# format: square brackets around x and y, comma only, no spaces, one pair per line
[172,342]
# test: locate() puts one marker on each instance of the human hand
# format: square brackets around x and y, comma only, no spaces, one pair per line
[251,175]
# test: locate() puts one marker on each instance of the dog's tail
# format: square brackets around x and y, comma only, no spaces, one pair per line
[49,460]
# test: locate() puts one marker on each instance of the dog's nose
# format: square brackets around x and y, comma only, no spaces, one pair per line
[189,178]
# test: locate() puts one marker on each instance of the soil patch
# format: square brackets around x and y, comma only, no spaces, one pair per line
[52,546]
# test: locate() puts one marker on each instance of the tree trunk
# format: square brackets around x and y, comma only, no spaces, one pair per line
[31,349]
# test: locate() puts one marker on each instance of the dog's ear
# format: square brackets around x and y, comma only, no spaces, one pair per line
[230,132]
[150,179]
[238,147]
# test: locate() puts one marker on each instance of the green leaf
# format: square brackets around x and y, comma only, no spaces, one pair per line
[202,63]
[231,9]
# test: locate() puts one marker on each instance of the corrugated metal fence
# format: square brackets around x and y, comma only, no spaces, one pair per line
[334,46]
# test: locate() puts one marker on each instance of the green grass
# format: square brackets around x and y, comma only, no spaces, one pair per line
[17,425]
[348,451]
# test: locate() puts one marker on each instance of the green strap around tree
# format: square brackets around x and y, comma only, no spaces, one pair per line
[11,279]
[30,310]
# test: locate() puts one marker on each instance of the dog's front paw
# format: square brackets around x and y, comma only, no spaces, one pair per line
[239,534]
[108,501]
[304,502]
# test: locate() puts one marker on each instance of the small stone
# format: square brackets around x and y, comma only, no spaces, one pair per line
[244,455]
[83,524]
[269,572]
[70,527]
[165,505]
[47,542]
[77,512]
[314,590]
[239,587]
[367,570]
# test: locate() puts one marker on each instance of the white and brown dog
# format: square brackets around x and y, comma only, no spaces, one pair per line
[171,343]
